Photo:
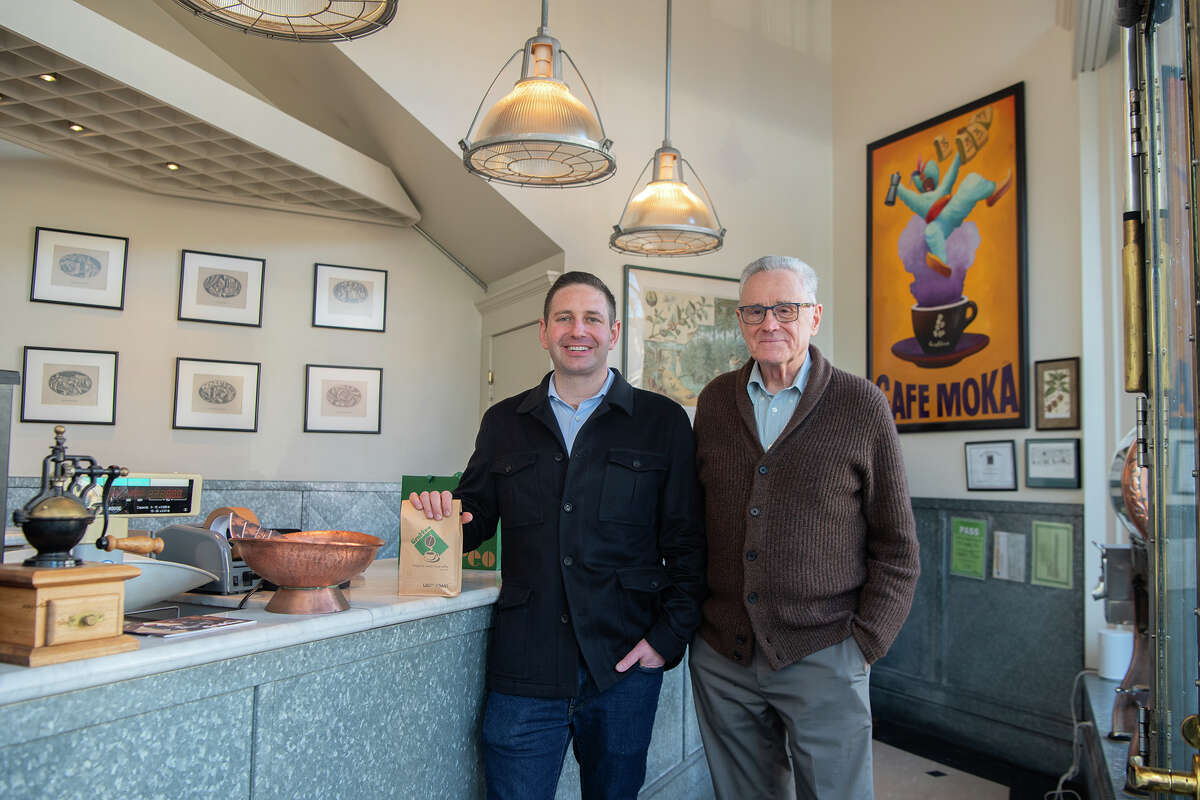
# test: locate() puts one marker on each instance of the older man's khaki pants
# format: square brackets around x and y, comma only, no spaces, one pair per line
[802,732]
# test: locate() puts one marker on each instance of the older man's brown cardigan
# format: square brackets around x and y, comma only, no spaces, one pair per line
[813,540]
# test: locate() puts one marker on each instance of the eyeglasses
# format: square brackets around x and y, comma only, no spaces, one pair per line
[784,312]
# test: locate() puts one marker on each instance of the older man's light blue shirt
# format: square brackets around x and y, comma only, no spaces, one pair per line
[570,420]
[772,411]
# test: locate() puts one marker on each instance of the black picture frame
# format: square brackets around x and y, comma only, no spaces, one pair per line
[74,268]
[1052,463]
[230,294]
[991,466]
[60,384]
[340,399]
[217,395]
[352,298]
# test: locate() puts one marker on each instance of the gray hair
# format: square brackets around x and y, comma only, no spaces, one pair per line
[808,278]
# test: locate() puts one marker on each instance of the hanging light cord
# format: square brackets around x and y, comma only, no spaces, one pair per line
[667,115]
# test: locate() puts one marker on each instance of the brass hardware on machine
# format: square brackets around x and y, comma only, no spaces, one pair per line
[1139,777]
[1134,288]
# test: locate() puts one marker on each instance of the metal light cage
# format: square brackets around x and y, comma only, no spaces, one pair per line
[298,20]
[667,218]
[539,134]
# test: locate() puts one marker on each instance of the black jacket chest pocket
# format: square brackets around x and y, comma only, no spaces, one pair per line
[515,478]
[632,482]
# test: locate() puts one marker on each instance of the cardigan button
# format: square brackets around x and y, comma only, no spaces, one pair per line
[751,555]
[754,512]
[737,655]
[762,469]
[752,598]
[740,639]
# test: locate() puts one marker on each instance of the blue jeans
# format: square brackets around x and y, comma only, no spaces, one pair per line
[525,739]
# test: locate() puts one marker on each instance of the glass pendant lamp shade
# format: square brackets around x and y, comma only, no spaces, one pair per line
[539,134]
[668,218]
[298,20]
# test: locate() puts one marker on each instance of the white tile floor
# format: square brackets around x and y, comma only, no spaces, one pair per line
[904,776]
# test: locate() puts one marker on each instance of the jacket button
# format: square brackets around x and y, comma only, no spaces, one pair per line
[752,598]
[568,561]
[564,619]
[637,464]
[568,507]
[558,456]
[751,555]
[737,655]
[508,467]
[754,512]
[653,584]
[740,639]
[762,470]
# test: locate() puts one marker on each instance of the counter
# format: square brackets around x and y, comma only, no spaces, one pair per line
[381,700]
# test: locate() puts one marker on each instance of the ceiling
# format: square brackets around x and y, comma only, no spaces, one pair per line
[282,125]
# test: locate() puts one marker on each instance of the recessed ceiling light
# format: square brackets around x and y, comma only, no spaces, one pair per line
[75,127]
[48,77]
[171,165]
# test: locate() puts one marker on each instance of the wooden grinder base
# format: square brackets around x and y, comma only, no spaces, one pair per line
[48,616]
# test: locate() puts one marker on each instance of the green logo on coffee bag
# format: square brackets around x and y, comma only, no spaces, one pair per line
[429,545]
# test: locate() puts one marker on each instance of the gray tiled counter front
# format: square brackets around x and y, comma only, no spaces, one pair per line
[381,701]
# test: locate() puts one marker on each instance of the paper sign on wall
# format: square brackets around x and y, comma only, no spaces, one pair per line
[968,547]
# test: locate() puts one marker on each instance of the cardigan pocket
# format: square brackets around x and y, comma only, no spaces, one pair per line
[515,478]
[632,482]
[509,654]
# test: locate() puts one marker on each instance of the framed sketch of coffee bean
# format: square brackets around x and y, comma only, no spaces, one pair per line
[1057,391]
[78,269]
[342,399]
[349,297]
[60,385]
[216,395]
[219,288]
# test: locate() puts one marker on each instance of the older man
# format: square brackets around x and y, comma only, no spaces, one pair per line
[812,554]
[594,483]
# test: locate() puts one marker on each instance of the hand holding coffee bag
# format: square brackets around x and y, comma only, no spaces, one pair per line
[430,552]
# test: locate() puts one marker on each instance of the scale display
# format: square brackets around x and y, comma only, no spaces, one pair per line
[154,495]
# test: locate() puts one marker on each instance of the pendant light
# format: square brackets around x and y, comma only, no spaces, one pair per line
[539,134]
[667,218]
[298,20]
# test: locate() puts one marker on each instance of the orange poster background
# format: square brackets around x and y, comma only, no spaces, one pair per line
[993,281]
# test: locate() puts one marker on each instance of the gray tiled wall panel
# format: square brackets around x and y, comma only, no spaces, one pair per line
[376,513]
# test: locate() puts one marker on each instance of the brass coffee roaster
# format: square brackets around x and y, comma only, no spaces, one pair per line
[306,566]
[55,607]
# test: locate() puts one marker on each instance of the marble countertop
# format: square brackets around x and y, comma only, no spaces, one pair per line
[374,603]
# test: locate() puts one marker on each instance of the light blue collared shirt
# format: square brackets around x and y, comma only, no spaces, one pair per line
[773,411]
[570,420]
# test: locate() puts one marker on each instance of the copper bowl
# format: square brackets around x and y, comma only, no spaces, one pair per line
[308,566]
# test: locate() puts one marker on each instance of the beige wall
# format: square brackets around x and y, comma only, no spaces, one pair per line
[751,110]
[429,352]
[899,63]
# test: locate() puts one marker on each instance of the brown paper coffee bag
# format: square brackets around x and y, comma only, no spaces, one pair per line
[430,552]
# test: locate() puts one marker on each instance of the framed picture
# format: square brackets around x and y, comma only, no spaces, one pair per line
[946,267]
[216,395]
[1052,463]
[342,399]
[349,297]
[78,269]
[1057,387]
[991,466]
[220,288]
[681,331]
[69,386]
[1053,555]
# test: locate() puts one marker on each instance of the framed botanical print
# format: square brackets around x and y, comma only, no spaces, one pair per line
[61,385]
[681,331]
[1057,385]
[78,269]
[221,288]
[349,297]
[216,395]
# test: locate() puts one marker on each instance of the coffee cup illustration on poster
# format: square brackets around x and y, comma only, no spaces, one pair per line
[945,252]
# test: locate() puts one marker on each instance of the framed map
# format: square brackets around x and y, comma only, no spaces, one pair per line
[681,331]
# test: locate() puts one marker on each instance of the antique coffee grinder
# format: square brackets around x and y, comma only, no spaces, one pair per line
[57,607]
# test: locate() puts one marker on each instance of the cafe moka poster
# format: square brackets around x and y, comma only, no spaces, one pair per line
[946,268]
